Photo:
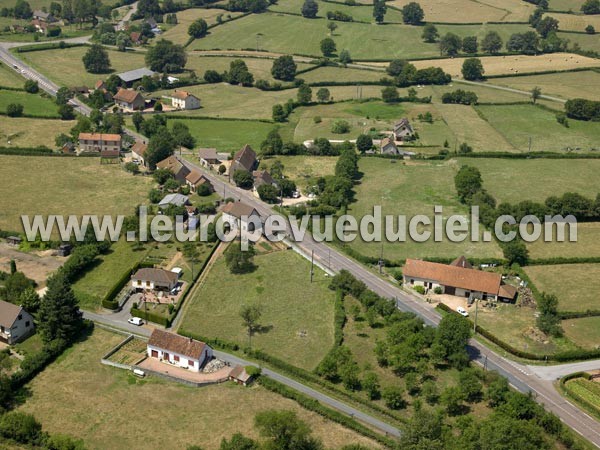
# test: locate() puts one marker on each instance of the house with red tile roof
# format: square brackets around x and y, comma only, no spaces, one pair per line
[178,351]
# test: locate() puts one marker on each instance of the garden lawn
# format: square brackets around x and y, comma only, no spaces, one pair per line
[68,185]
[587,245]
[65,67]
[296,35]
[512,325]
[410,188]
[584,332]
[566,282]
[61,398]
[27,132]
[519,123]
[10,78]
[95,283]
[511,181]
[564,85]
[302,169]
[33,104]
[226,135]
[299,307]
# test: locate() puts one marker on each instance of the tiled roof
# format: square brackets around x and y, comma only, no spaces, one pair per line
[100,137]
[127,95]
[156,275]
[177,344]
[469,279]
[8,313]
[239,209]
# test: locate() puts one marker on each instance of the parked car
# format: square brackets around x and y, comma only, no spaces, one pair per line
[296,194]
[462,311]
[135,321]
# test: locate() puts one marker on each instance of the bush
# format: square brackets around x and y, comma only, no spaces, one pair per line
[21,427]
[14,110]
[438,290]
[340,127]
[419,289]
[32,86]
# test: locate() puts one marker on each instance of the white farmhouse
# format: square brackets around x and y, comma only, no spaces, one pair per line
[15,323]
[150,279]
[179,351]
[183,100]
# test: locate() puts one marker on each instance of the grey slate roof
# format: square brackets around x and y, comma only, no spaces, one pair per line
[134,75]
[174,199]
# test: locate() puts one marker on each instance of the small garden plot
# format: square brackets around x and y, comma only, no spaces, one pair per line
[587,389]
[131,353]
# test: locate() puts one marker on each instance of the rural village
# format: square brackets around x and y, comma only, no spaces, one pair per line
[236,110]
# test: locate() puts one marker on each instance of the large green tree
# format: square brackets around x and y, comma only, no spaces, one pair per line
[310,8]
[166,56]
[161,146]
[96,59]
[59,317]
[198,29]
[472,69]
[284,68]
[379,10]
[412,13]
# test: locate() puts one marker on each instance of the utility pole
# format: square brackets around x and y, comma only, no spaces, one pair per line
[312,265]
[476,309]
[530,143]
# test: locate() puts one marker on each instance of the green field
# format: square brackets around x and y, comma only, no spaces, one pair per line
[9,77]
[583,332]
[412,188]
[589,390]
[123,406]
[292,34]
[585,41]
[179,33]
[564,85]
[64,66]
[519,123]
[565,281]
[26,132]
[511,181]
[566,5]
[91,188]
[588,244]
[337,74]
[227,135]
[34,104]
[300,307]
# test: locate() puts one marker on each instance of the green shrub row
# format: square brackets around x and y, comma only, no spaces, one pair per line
[27,151]
[561,260]
[8,88]
[324,411]
[179,117]
[539,72]
[564,315]
[584,401]
[48,46]
[151,317]
[530,155]
[292,371]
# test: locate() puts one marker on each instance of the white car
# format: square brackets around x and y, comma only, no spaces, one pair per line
[296,194]
[135,321]
[462,311]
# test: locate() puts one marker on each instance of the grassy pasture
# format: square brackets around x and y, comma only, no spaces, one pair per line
[565,85]
[359,13]
[302,306]
[588,244]
[572,22]
[65,67]
[513,64]
[585,41]
[10,78]
[472,11]
[566,5]
[179,33]
[61,397]
[227,135]
[293,34]
[566,281]
[301,169]
[519,123]
[340,74]
[35,104]
[511,181]
[584,332]
[409,189]
[25,132]
[91,188]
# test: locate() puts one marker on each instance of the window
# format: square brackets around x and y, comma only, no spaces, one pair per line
[27,324]
[191,363]
[175,358]
[154,353]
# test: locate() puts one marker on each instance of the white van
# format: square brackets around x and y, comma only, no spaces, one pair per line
[462,311]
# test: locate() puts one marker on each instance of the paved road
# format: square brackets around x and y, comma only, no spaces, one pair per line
[523,378]
[559,371]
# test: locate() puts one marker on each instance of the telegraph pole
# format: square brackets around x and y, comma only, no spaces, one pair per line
[476,309]
[312,265]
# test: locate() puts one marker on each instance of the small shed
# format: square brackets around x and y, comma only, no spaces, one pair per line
[239,375]
[14,240]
